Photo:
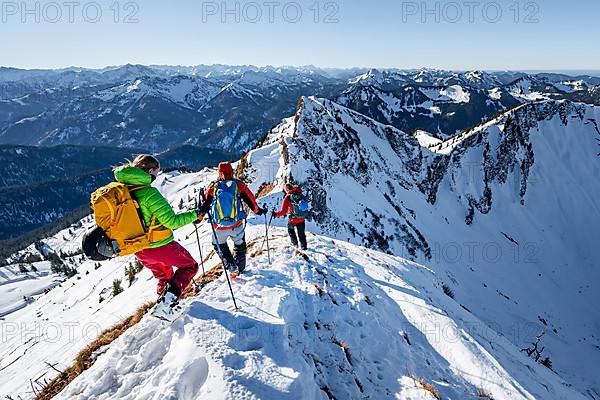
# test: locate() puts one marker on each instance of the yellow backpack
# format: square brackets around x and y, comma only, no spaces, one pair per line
[117,213]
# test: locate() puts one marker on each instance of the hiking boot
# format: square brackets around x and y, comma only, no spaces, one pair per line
[167,306]
[232,268]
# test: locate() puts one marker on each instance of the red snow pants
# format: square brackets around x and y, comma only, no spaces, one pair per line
[161,261]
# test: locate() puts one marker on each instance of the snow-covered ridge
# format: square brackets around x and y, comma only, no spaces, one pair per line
[310,330]
[287,342]
[307,329]
[455,93]
[486,189]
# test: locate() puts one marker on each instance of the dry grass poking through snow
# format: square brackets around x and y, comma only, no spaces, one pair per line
[86,358]
[484,395]
[240,171]
[430,388]
[345,348]
[265,189]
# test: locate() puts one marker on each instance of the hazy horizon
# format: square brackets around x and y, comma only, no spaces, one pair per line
[108,67]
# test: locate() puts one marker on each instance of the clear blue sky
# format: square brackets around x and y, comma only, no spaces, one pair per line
[376,33]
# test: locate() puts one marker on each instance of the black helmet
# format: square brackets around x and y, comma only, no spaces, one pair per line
[96,245]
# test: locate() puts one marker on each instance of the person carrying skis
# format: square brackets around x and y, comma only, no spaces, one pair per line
[164,252]
[223,199]
[293,206]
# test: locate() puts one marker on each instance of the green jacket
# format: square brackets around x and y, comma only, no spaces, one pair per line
[152,203]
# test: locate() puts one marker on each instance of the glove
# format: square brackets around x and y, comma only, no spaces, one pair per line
[200,217]
[261,211]
[273,214]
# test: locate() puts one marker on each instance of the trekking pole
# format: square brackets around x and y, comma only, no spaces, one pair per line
[267,237]
[200,250]
[220,253]
[200,196]
[269,225]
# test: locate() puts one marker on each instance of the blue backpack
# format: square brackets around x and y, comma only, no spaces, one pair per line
[300,204]
[226,208]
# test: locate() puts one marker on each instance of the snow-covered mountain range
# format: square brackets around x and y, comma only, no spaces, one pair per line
[228,108]
[436,254]
[219,106]
[150,107]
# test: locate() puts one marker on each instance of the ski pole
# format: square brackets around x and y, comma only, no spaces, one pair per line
[220,253]
[200,250]
[262,246]
[267,237]
[198,203]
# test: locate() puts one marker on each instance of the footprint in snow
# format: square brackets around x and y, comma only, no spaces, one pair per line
[248,337]
[234,361]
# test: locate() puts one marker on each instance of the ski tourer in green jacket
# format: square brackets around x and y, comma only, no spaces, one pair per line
[155,209]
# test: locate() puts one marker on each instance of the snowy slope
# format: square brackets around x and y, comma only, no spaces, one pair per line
[58,324]
[536,217]
[19,287]
[305,330]
[507,213]
[286,342]
[427,140]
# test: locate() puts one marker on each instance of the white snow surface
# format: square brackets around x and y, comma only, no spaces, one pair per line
[285,342]
[426,140]
[454,93]
[352,322]
[523,268]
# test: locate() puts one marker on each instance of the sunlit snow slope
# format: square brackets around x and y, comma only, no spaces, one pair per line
[508,214]
[352,322]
